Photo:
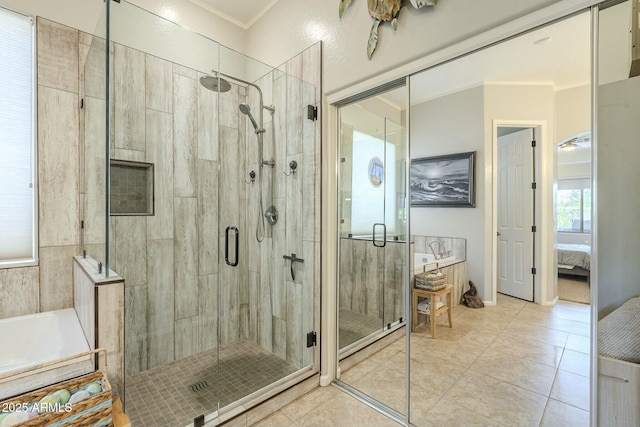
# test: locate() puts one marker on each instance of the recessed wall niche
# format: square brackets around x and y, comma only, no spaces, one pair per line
[131,188]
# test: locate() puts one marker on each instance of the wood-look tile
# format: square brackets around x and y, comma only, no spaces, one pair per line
[58,151]
[229,304]
[207,123]
[207,217]
[185,134]
[93,78]
[186,257]
[110,321]
[311,68]
[265,325]
[280,144]
[228,108]
[293,209]
[279,338]
[296,113]
[208,312]
[185,71]
[159,134]
[309,170]
[57,56]
[129,98]
[186,337]
[129,155]
[135,329]
[19,288]
[254,302]
[158,84]
[309,288]
[130,260]
[161,297]
[94,175]
[295,314]
[56,277]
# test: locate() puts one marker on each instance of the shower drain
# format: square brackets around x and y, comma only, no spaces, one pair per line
[198,386]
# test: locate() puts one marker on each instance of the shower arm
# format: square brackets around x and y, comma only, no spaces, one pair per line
[262,106]
[270,108]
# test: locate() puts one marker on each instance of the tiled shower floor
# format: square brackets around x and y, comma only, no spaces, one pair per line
[163,396]
[355,326]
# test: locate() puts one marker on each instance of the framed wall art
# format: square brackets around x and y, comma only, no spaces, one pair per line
[447,180]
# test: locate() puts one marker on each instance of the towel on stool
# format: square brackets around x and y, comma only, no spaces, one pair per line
[425,305]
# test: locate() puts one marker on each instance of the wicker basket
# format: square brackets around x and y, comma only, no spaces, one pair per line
[429,282]
[93,411]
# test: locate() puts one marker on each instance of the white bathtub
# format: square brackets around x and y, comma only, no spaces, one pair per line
[29,341]
[421,261]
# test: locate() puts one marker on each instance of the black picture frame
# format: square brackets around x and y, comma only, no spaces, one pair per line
[444,181]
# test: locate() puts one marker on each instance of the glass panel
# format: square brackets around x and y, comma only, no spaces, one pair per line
[372,263]
[93,137]
[363,194]
[616,201]
[475,103]
[269,192]
[162,116]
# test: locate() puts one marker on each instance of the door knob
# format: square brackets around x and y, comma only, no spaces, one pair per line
[499,234]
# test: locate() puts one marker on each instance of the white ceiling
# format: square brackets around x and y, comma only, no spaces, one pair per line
[557,54]
[240,12]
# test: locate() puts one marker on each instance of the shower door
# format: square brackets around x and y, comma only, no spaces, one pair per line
[372,263]
[372,240]
[214,318]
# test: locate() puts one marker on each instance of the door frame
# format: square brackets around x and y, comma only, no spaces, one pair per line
[545,174]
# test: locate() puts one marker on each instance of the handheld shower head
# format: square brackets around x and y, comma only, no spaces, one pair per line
[245,109]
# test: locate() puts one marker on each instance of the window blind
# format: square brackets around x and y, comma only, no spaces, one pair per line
[17,146]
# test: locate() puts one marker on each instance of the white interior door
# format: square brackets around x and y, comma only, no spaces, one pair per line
[515,215]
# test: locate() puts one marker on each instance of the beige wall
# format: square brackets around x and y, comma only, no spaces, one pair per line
[454,124]
[291,25]
[573,111]
[89,16]
[464,122]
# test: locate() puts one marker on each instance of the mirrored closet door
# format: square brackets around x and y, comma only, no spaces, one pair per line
[373,247]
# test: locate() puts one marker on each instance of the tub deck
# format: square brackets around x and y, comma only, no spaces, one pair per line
[32,340]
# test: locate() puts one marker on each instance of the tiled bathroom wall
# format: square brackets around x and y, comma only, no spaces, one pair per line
[371,279]
[49,286]
[162,115]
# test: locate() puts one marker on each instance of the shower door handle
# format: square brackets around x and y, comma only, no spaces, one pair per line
[226,246]
[384,237]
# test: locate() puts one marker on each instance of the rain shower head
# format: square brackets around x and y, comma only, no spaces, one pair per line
[244,109]
[216,84]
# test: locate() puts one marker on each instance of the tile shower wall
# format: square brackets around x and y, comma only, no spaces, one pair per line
[49,286]
[366,272]
[162,115]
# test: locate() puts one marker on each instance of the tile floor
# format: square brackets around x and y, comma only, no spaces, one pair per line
[355,326]
[172,395]
[513,364]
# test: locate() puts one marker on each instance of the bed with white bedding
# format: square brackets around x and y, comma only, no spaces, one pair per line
[574,259]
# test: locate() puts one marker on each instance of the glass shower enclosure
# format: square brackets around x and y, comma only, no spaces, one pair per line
[207,202]
[372,224]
